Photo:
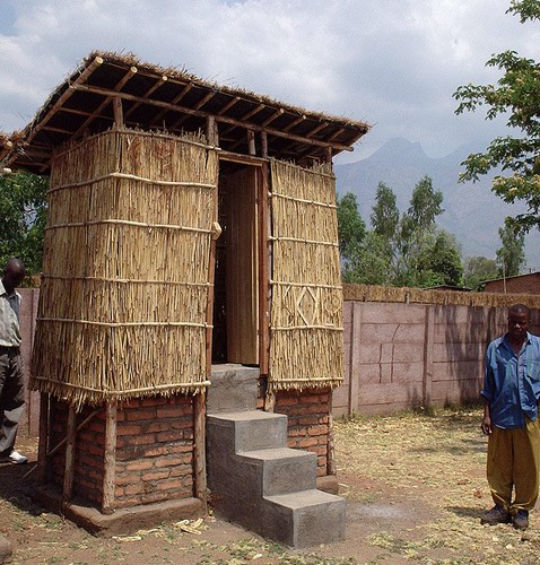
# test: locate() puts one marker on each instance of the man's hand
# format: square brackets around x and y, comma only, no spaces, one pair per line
[486,425]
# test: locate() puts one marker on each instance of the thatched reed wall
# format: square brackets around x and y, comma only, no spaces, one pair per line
[373,293]
[306,343]
[124,295]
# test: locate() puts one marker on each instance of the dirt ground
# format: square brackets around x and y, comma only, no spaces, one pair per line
[415,487]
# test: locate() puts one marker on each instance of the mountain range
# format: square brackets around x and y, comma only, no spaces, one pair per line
[471,211]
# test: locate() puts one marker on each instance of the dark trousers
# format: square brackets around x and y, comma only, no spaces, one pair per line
[11,397]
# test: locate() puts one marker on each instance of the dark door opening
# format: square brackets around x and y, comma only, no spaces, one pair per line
[236,292]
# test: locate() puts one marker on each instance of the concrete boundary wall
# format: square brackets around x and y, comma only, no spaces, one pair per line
[400,356]
[399,353]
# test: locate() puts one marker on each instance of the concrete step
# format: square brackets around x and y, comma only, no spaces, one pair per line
[249,430]
[234,387]
[284,470]
[304,518]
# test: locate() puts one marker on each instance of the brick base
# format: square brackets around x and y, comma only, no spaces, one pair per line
[154,451]
[308,415]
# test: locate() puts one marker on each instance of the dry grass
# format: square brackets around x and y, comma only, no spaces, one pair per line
[431,468]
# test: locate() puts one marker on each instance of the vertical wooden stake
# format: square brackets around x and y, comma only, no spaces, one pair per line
[43,445]
[199,433]
[107,506]
[331,456]
[118,112]
[67,490]
[251,142]
[264,145]
[428,354]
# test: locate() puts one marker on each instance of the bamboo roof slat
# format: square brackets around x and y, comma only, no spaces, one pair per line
[155,97]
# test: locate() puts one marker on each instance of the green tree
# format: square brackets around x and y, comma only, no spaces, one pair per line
[351,227]
[416,236]
[478,269]
[516,96]
[511,254]
[371,264]
[22,209]
[385,214]
[444,259]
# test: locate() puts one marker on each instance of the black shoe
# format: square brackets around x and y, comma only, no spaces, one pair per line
[521,520]
[497,515]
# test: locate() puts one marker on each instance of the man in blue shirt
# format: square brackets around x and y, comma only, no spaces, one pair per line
[511,392]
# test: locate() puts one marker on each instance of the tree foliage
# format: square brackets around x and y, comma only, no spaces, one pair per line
[511,254]
[516,96]
[477,270]
[406,251]
[22,209]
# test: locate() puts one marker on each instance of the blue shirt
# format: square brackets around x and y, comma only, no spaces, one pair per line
[512,382]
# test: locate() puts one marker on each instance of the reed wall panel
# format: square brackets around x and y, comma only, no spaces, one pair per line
[124,294]
[306,343]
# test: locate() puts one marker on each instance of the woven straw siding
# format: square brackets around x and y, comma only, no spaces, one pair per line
[306,343]
[123,300]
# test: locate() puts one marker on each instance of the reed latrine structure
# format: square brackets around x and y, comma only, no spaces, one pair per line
[144,164]
[125,280]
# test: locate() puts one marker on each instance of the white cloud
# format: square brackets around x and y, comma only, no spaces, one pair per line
[394,63]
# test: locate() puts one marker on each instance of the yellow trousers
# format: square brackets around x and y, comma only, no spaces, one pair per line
[514,462]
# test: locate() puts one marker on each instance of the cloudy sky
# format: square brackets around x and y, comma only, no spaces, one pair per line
[392,63]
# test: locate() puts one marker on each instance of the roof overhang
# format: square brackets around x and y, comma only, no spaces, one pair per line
[107,87]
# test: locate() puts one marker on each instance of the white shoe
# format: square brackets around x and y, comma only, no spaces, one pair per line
[17,458]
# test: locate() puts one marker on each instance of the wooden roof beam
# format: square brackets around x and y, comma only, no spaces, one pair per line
[174,102]
[317,129]
[336,133]
[229,105]
[298,120]
[204,100]
[279,112]
[252,112]
[163,79]
[167,106]
[117,87]
[64,96]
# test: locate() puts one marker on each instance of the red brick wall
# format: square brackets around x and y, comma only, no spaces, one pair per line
[308,415]
[154,451]
[522,284]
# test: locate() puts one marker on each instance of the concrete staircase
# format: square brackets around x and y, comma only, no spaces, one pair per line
[256,480]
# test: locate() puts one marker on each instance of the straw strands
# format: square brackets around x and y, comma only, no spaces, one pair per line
[306,345]
[372,293]
[123,300]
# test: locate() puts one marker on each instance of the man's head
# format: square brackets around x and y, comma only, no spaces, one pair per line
[14,274]
[519,317]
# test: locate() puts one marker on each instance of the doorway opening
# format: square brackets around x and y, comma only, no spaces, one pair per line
[236,291]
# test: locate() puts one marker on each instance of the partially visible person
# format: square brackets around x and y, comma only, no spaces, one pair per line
[511,392]
[11,375]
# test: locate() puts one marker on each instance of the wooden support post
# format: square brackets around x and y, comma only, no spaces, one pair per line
[269,401]
[199,433]
[43,445]
[212,137]
[264,145]
[328,154]
[118,112]
[264,271]
[251,142]
[331,468]
[67,490]
[107,506]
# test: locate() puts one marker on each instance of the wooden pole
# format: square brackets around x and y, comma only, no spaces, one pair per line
[107,506]
[264,271]
[43,445]
[67,490]
[251,142]
[264,145]
[199,438]
[118,112]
